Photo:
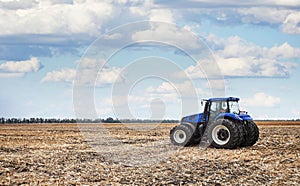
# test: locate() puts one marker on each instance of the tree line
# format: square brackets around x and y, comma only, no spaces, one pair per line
[72,120]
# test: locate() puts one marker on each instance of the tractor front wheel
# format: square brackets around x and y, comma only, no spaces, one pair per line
[223,134]
[181,135]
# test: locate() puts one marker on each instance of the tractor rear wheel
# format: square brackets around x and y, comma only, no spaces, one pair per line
[223,134]
[181,135]
[252,133]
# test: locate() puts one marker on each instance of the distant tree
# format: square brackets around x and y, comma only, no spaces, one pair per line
[109,120]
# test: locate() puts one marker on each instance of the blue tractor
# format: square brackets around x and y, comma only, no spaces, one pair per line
[221,125]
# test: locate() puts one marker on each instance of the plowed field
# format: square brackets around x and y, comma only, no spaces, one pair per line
[62,154]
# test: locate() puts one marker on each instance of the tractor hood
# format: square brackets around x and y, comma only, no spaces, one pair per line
[195,118]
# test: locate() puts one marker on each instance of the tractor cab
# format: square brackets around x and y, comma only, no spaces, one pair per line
[217,108]
[220,107]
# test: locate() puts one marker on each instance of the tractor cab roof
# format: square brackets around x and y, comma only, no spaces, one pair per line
[224,99]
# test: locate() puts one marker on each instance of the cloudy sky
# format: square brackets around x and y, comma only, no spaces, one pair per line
[255,45]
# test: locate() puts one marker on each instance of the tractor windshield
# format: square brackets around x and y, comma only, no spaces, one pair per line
[234,107]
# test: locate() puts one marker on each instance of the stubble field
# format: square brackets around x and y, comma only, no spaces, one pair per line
[62,154]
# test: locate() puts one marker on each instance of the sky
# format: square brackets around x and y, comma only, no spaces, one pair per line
[148,58]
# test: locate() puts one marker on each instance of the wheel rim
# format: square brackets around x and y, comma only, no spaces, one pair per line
[179,136]
[220,135]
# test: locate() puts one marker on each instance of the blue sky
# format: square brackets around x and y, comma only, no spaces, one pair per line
[255,44]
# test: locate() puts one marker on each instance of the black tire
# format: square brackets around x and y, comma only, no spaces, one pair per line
[181,135]
[223,134]
[242,131]
[196,137]
[252,133]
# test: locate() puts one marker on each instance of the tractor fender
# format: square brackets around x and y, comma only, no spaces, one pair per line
[229,115]
[246,117]
[193,127]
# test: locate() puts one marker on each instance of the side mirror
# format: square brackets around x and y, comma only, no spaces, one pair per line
[201,102]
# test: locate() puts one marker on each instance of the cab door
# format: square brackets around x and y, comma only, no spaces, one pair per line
[213,111]
[216,108]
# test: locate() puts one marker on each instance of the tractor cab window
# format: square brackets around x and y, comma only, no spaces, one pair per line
[234,107]
[217,107]
[213,107]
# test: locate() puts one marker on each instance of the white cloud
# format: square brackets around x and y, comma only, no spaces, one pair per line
[108,76]
[170,93]
[186,88]
[283,14]
[238,58]
[90,63]
[252,67]
[170,34]
[288,19]
[141,7]
[19,68]
[250,3]
[261,99]
[285,51]
[177,98]
[283,2]
[62,75]
[291,24]
[31,65]
[89,16]
[244,67]
[46,17]
[138,11]
[88,72]
[164,15]
[193,71]
[14,4]
[235,46]
[263,15]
